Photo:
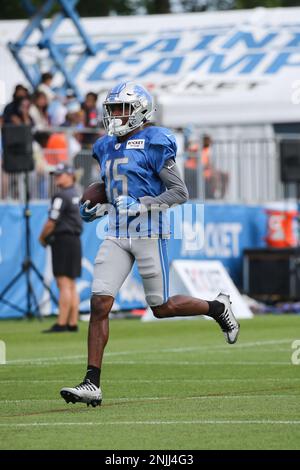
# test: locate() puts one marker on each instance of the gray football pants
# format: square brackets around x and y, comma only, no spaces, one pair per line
[115,259]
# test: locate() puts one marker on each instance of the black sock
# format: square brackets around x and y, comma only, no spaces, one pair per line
[93,375]
[215,308]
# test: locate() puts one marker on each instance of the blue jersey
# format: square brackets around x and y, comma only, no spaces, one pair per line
[132,168]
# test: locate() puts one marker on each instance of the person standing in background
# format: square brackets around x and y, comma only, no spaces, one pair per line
[45,86]
[12,108]
[91,119]
[39,111]
[62,232]
[216,181]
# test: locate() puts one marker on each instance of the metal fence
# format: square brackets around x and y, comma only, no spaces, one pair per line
[252,167]
[244,171]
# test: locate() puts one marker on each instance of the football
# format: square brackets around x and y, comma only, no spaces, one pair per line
[95,193]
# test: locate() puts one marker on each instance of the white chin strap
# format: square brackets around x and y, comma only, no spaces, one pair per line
[113,126]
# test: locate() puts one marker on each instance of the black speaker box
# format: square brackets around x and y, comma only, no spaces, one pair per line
[272,274]
[290,161]
[17,148]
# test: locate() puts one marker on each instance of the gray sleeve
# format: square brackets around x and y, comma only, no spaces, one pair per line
[176,193]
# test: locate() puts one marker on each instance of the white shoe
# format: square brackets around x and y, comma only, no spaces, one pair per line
[86,392]
[227,320]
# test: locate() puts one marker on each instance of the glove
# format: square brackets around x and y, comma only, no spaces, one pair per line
[129,205]
[88,215]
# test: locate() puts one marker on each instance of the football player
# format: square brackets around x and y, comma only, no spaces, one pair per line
[137,164]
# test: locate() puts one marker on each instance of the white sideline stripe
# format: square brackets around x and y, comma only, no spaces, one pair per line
[255,379]
[137,399]
[239,345]
[152,423]
[157,351]
[201,363]
[163,363]
[44,359]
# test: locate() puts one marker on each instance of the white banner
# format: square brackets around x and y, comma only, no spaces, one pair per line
[205,280]
[204,68]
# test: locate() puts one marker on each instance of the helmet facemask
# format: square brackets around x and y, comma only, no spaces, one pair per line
[137,109]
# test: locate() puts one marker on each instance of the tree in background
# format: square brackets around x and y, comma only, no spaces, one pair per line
[12,9]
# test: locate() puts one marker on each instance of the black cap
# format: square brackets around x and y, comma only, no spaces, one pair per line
[63,168]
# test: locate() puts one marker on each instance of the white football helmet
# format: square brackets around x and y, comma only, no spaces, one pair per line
[137,108]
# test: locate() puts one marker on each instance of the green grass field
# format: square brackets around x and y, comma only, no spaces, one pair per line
[166,385]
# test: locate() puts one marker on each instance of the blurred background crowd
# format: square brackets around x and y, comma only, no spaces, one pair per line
[65,129]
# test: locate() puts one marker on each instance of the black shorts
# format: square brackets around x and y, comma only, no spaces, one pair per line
[66,256]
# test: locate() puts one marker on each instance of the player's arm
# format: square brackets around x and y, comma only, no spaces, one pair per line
[47,230]
[56,209]
[176,192]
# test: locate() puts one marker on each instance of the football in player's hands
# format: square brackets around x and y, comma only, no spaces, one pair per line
[95,193]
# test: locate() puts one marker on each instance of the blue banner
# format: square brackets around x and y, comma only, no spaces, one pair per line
[222,233]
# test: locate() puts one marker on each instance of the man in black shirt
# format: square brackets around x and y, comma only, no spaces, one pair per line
[62,231]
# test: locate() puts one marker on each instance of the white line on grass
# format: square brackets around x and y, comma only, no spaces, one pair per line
[137,399]
[152,423]
[254,379]
[239,345]
[32,360]
[161,363]
[200,363]
[60,359]
[262,379]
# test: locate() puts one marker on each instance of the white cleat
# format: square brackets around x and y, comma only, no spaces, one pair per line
[86,392]
[227,320]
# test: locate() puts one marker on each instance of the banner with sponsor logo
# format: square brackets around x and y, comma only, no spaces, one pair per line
[217,232]
[210,278]
[228,67]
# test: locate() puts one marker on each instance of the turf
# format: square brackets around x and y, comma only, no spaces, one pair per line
[166,385]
